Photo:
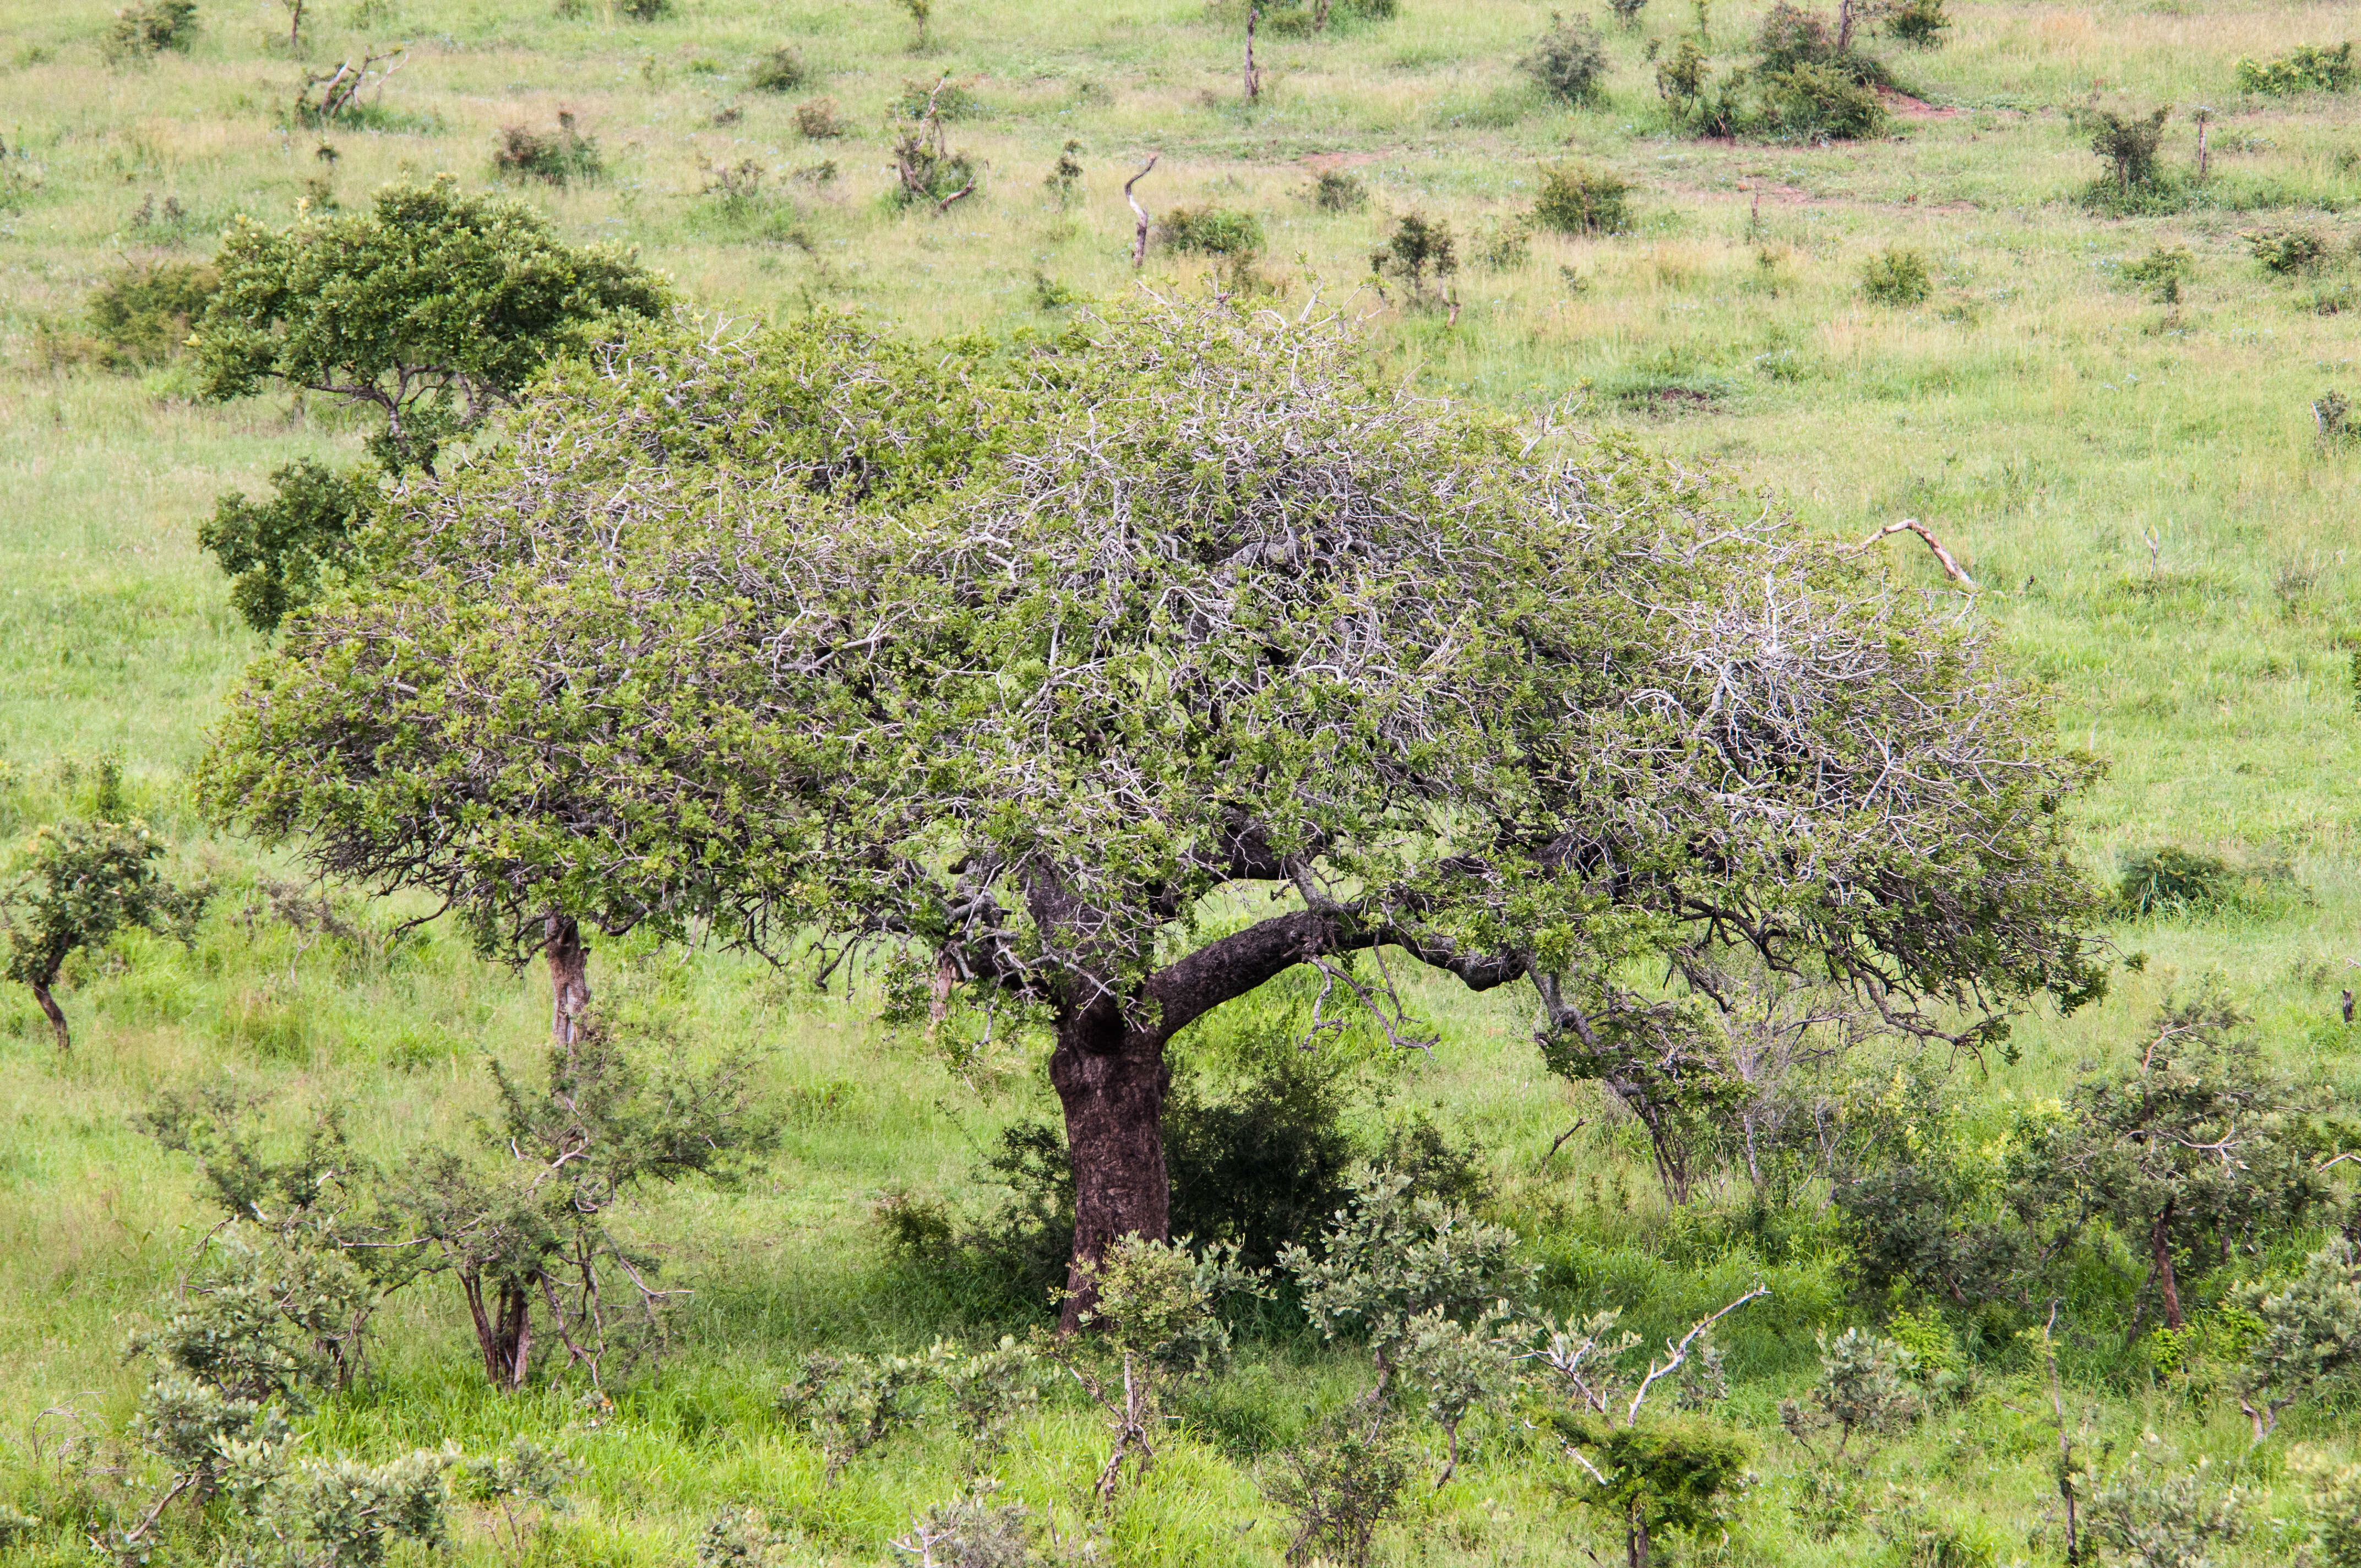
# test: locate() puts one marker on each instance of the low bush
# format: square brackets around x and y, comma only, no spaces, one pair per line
[1569,61]
[1821,101]
[1576,199]
[2307,69]
[1338,190]
[1420,250]
[2332,417]
[1896,277]
[281,552]
[1223,232]
[1918,23]
[2172,882]
[645,10]
[2128,144]
[2163,270]
[2287,253]
[558,156]
[1627,12]
[141,312]
[1504,246]
[142,31]
[819,121]
[781,71]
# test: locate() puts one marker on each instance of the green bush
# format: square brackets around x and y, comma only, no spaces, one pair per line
[781,71]
[1569,61]
[2171,881]
[1223,232]
[2128,143]
[1576,198]
[1822,103]
[558,156]
[2308,69]
[819,121]
[2164,268]
[1791,36]
[1896,277]
[141,312]
[1338,190]
[1920,23]
[1418,250]
[2285,253]
[647,10]
[145,30]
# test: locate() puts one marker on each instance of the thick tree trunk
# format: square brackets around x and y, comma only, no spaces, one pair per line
[2160,1244]
[57,1016]
[569,978]
[505,1333]
[1112,1082]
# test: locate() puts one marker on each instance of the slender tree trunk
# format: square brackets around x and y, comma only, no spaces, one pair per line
[2160,1241]
[505,1333]
[1112,1082]
[1635,1540]
[569,978]
[1254,77]
[57,1016]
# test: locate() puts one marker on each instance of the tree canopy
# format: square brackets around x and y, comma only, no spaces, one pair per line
[1035,661]
[429,304]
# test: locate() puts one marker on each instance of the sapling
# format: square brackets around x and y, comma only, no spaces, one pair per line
[2151,1516]
[1459,1369]
[1392,1259]
[1341,1482]
[1864,1387]
[852,1403]
[971,1531]
[522,1487]
[987,1393]
[81,884]
[2311,1335]
[1152,1321]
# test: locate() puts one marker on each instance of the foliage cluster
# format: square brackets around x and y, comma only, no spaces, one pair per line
[2308,68]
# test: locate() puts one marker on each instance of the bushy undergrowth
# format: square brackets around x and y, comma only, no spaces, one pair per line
[140,314]
[2306,69]
[558,156]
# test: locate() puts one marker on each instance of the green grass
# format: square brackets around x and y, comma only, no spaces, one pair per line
[2136,486]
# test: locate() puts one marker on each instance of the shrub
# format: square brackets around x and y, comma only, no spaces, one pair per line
[1342,1481]
[2332,418]
[1065,176]
[2164,268]
[817,120]
[781,71]
[1822,102]
[1578,199]
[1864,1387]
[1695,99]
[2310,1338]
[1223,231]
[926,169]
[969,1531]
[1917,1535]
[2285,252]
[142,31]
[1339,191]
[2333,1510]
[1896,277]
[1419,248]
[2175,882]
[1569,61]
[2128,144]
[559,157]
[1918,23]
[142,311]
[280,554]
[2150,1515]
[1791,36]
[2307,69]
[645,10]
[852,1403]
[1504,246]
[1627,12]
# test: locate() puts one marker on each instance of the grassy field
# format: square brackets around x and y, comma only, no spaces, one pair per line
[2136,486]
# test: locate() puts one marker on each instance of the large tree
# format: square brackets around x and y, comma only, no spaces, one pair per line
[1212,660]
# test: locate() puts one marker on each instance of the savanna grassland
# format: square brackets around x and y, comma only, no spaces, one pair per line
[2141,488]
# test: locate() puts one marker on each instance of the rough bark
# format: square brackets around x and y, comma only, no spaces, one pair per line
[56,1015]
[2159,1241]
[1112,1081]
[569,978]
[504,1334]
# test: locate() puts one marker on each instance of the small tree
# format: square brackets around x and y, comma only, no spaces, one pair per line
[1393,1261]
[852,1403]
[433,307]
[920,12]
[1863,1387]
[78,884]
[1569,61]
[2310,1338]
[1153,1306]
[1576,198]
[2148,1515]
[1419,248]
[927,168]
[146,28]
[1341,1481]
[1457,1369]
[2196,1151]
[534,1222]
[2128,143]
[1066,175]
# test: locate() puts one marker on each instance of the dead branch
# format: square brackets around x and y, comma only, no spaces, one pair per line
[1139,240]
[1254,77]
[1951,567]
